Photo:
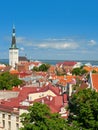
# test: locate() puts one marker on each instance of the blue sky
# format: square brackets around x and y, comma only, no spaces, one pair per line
[50,29]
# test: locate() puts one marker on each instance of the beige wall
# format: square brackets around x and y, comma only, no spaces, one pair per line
[8,94]
[11,122]
[34,96]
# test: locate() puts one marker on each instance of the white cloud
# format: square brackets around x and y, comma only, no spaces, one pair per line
[92,42]
[55,39]
[59,40]
[57,45]
[49,43]
[21,49]
[20,39]
[24,41]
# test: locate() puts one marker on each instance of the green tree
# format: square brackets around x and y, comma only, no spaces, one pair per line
[44,67]
[39,117]
[94,71]
[76,71]
[35,68]
[7,81]
[79,71]
[84,109]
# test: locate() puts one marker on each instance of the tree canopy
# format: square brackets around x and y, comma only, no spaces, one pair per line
[7,81]
[83,114]
[79,71]
[84,109]
[39,117]
[43,67]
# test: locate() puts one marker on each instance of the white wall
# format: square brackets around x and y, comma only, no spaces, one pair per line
[6,119]
[13,57]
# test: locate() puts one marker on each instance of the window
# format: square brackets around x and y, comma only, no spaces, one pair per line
[3,122]
[15,52]
[17,119]
[17,126]
[9,117]
[9,125]
[3,115]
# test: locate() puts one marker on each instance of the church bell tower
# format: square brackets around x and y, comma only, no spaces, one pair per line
[13,51]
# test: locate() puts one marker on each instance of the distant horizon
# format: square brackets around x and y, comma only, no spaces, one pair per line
[54,60]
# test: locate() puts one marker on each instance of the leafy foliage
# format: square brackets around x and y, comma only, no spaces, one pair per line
[43,67]
[84,109]
[7,81]
[35,68]
[94,71]
[79,71]
[39,117]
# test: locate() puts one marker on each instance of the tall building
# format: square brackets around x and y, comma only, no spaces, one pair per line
[13,51]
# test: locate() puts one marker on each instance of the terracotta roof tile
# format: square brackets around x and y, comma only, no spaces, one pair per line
[55,103]
[95,81]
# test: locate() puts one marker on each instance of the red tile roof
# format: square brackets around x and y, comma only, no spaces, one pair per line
[67,63]
[56,90]
[65,98]
[55,103]
[23,74]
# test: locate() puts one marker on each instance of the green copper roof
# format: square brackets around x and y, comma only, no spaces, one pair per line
[13,45]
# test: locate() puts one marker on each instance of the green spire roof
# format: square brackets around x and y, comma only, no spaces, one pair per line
[13,45]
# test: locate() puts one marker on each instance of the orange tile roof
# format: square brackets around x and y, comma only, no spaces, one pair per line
[51,69]
[95,81]
[15,89]
[95,68]
[88,68]
[14,71]
[62,82]
[60,77]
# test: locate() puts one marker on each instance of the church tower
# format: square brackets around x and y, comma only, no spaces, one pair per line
[13,51]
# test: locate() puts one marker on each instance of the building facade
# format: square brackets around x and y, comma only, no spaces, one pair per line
[13,51]
[9,120]
[12,108]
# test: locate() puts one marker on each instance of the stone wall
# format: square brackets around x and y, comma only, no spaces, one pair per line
[8,94]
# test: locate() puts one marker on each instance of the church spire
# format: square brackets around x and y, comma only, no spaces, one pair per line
[13,45]
[13,50]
